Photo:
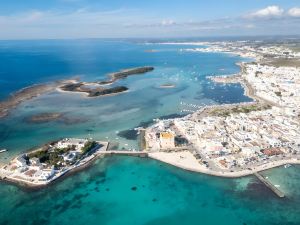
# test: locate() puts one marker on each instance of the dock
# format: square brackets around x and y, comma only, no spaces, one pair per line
[142,154]
[279,193]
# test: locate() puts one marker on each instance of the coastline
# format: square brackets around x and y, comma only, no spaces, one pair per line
[258,102]
[29,186]
[180,160]
[174,160]
[85,163]
[36,90]
[26,94]
[248,91]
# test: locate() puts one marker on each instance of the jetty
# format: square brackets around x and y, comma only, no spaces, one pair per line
[272,187]
[126,153]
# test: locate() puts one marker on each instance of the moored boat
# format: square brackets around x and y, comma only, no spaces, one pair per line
[287,165]
[3,150]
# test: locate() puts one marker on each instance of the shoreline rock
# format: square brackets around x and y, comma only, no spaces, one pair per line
[27,93]
[43,117]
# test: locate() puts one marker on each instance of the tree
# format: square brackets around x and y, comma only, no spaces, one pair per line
[88,147]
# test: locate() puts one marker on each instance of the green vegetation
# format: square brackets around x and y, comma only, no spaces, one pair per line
[42,155]
[258,73]
[51,157]
[88,147]
[278,93]
[55,156]
[125,73]
[239,109]
[71,87]
[290,62]
[63,150]
[107,91]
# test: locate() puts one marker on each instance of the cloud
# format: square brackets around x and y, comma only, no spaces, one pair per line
[268,12]
[168,22]
[250,26]
[124,22]
[33,16]
[294,12]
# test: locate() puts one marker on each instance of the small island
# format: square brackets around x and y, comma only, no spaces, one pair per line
[51,161]
[95,89]
[92,90]
[125,73]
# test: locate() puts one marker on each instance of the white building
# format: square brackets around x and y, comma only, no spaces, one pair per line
[68,142]
[20,161]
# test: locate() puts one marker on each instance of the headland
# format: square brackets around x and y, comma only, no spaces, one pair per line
[26,94]
[235,140]
[46,164]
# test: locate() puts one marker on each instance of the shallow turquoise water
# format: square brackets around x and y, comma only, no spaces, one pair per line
[124,190]
[102,118]
[104,194]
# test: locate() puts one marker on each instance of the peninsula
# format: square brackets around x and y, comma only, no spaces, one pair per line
[51,161]
[92,89]
[26,94]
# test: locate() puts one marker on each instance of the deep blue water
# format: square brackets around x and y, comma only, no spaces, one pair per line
[103,194]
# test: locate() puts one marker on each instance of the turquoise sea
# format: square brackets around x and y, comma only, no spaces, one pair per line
[124,190]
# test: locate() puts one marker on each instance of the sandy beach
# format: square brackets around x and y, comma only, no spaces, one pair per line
[185,160]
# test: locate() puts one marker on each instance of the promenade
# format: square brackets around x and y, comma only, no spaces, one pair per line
[186,160]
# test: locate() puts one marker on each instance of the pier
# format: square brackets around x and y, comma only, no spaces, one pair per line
[127,153]
[279,193]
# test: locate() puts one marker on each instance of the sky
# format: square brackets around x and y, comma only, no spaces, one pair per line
[47,19]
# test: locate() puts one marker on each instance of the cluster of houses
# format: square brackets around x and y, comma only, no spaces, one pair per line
[242,139]
[248,49]
[34,170]
[279,85]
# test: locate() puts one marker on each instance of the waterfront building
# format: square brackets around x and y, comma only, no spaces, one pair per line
[167,140]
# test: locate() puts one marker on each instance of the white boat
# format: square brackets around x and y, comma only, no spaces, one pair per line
[287,165]
[3,150]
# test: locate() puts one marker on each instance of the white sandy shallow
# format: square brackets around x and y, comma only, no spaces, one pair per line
[184,160]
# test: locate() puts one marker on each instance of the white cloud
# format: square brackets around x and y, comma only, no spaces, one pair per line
[270,11]
[250,26]
[168,22]
[33,16]
[294,12]
[123,22]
